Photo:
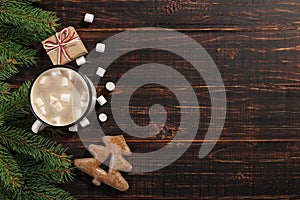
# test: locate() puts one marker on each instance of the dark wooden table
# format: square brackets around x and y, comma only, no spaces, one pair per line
[256,47]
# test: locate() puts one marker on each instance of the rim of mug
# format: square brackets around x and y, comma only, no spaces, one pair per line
[89,91]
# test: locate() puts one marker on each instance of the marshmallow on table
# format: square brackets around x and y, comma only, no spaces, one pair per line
[110,86]
[65,82]
[103,117]
[100,47]
[101,100]
[85,122]
[43,80]
[53,99]
[65,98]
[88,17]
[80,61]
[100,71]
[39,102]
[43,110]
[58,107]
[73,128]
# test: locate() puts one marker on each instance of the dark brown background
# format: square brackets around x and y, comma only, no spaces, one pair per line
[256,46]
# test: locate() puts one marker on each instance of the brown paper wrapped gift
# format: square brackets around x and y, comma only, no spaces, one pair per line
[64,46]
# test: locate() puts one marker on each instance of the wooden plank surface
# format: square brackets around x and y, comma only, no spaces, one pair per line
[256,47]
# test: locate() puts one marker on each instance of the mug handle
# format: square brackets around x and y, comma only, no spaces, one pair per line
[38,126]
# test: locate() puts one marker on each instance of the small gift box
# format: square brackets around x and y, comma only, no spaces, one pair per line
[64,46]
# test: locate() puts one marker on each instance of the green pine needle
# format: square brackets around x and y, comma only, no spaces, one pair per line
[10,173]
[21,34]
[4,89]
[16,105]
[16,54]
[7,71]
[38,147]
[29,1]
[40,191]
[42,172]
[19,13]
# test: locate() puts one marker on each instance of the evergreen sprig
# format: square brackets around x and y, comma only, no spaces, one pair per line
[14,53]
[7,70]
[40,148]
[32,19]
[4,90]
[42,160]
[37,191]
[31,165]
[15,105]
[11,174]
[46,173]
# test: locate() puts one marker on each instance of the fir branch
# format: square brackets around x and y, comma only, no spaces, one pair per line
[43,173]
[24,123]
[52,133]
[7,71]
[16,54]
[5,194]
[21,34]
[30,1]
[38,147]
[11,174]
[16,105]
[19,13]
[17,34]
[4,89]
[38,191]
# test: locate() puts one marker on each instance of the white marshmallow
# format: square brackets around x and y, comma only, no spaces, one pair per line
[103,117]
[84,96]
[77,114]
[88,17]
[80,61]
[39,102]
[100,47]
[43,80]
[53,99]
[43,110]
[56,72]
[58,107]
[85,122]
[73,128]
[55,120]
[100,71]
[83,104]
[71,76]
[110,86]
[101,100]
[65,98]
[65,82]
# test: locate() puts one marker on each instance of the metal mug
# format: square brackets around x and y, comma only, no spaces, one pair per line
[61,96]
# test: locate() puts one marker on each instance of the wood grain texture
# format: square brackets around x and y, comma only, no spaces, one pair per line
[256,47]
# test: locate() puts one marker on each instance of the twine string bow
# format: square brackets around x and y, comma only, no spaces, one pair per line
[62,40]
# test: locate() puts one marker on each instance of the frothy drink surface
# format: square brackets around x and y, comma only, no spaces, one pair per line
[59,96]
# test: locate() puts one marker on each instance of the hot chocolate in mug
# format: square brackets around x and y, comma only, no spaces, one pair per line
[61,96]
